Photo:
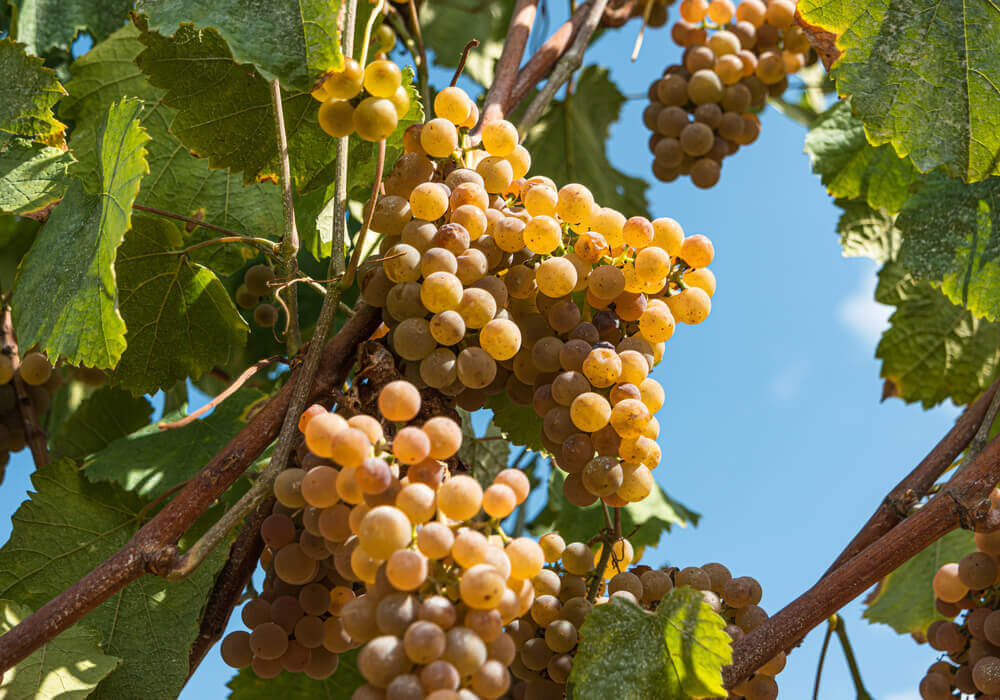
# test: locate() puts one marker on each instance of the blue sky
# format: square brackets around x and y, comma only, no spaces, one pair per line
[773,428]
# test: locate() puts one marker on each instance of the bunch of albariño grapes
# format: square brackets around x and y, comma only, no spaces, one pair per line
[705,108]
[968,594]
[40,380]
[495,283]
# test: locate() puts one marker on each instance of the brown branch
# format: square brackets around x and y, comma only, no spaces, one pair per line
[153,548]
[230,584]
[496,104]
[221,396]
[823,41]
[33,433]
[461,62]
[963,501]
[917,483]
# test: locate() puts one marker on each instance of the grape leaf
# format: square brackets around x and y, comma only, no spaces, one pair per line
[933,349]
[233,123]
[629,654]
[27,93]
[294,41]
[181,321]
[64,296]
[486,458]
[951,234]
[866,232]
[649,518]
[447,27]
[567,144]
[519,424]
[32,175]
[178,181]
[904,599]
[60,534]
[48,24]
[851,168]
[150,461]
[68,667]
[923,76]
[104,416]
[246,685]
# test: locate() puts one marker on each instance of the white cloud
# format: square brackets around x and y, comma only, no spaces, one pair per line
[787,383]
[861,314]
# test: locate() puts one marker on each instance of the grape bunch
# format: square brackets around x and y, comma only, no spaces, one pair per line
[703,109]
[256,287]
[496,283]
[40,380]
[967,594]
[365,100]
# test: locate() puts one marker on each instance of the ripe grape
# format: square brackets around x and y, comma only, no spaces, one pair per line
[499,138]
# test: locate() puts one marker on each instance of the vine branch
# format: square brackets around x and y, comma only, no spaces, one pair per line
[289,248]
[964,499]
[497,99]
[33,433]
[473,43]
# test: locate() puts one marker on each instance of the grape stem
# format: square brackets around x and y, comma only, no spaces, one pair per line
[33,433]
[352,268]
[367,40]
[187,219]
[461,62]
[566,66]
[822,654]
[224,394]
[852,662]
[289,248]
[647,8]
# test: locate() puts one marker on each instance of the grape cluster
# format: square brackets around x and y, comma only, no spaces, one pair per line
[256,287]
[41,380]
[967,595]
[492,283]
[366,100]
[703,109]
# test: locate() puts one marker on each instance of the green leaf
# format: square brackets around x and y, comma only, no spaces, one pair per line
[65,297]
[568,144]
[851,168]
[68,527]
[866,232]
[178,181]
[294,41]
[447,27]
[519,424]
[151,461]
[923,76]
[487,458]
[32,175]
[675,653]
[68,667]
[181,321]
[951,234]
[904,599]
[246,685]
[233,124]
[27,93]
[933,350]
[649,518]
[104,416]
[49,24]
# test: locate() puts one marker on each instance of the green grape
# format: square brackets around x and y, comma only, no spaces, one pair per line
[382,659]
[293,566]
[705,86]
[491,680]
[383,530]
[557,424]
[438,260]
[336,118]
[35,369]
[268,641]
[771,67]
[556,277]
[705,173]
[464,649]
[477,307]
[439,138]
[452,237]
[671,120]
[319,486]
[277,530]
[441,291]
[402,263]
[288,488]
[286,611]
[439,368]
[411,445]
[375,118]
[235,649]
[500,138]
[453,104]
[471,267]
[476,368]
[429,201]
[696,139]
[347,83]
[545,354]
[590,411]
[602,476]
[412,339]
[671,90]
[448,327]
[497,173]
[500,338]
[382,78]
[509,234]
[265,315]
[401,101]
[403,301]
[699,58]
[258,278]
